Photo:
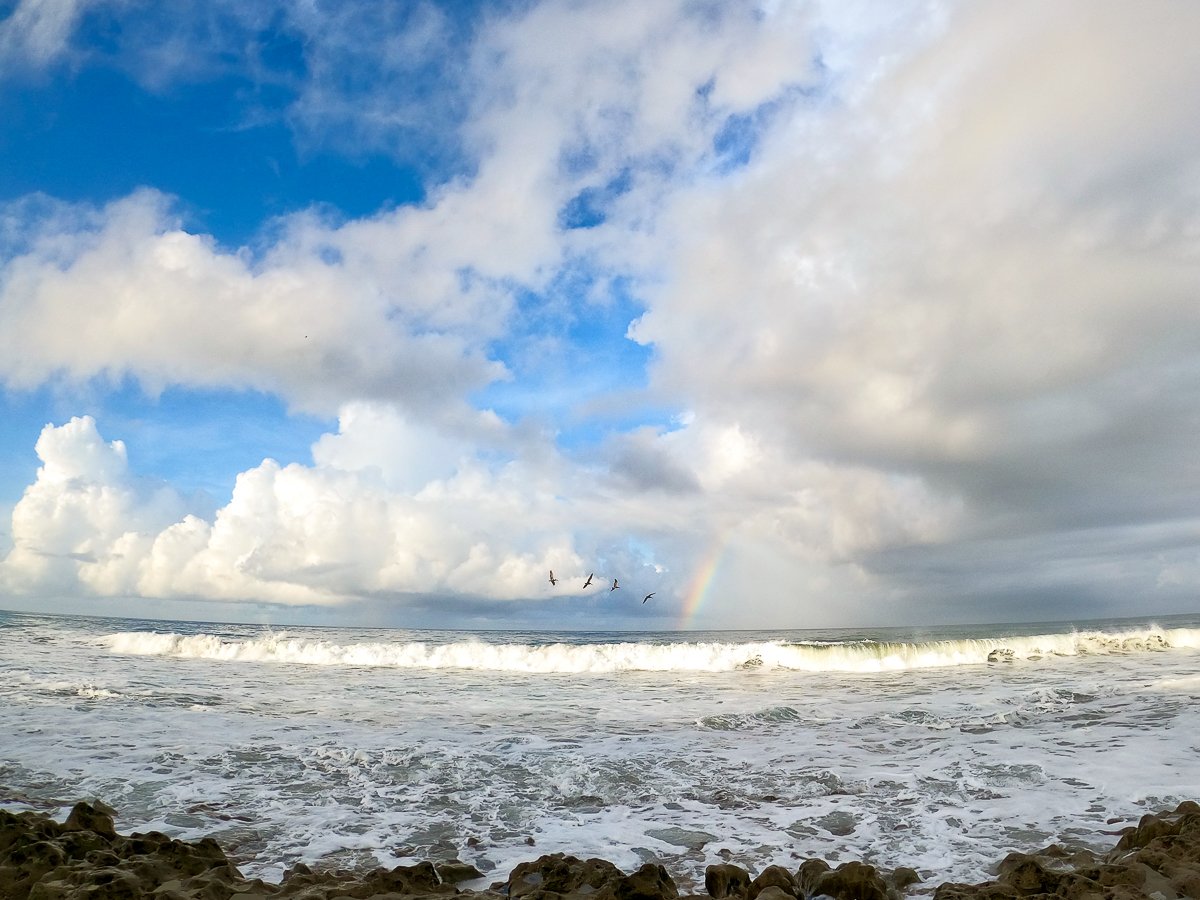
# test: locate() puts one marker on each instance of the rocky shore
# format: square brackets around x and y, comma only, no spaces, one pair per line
[84,858]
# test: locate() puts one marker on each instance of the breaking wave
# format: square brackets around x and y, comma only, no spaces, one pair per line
[633,656]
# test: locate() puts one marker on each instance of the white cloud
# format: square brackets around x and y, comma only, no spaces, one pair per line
[86,519]
[170,308]
[38,31]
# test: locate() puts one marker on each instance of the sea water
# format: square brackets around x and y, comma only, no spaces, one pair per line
[940,750]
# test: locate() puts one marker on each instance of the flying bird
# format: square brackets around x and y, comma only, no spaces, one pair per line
[614,587]
[589,581]
[648,596]
[553,580]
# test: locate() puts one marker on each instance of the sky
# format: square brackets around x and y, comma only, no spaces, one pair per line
[795,314]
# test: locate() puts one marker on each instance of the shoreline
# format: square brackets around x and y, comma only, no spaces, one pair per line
[85,858]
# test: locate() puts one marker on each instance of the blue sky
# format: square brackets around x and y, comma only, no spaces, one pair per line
[822,315]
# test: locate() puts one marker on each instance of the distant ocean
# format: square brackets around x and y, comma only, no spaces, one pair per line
[941,749]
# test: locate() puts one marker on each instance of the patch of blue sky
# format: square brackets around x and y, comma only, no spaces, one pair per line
[99,137]
[572,363]
[739,135]
[195,440]
[589,207]
[200,440]
[24,414]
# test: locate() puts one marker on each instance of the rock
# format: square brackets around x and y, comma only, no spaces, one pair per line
[808,873]
[1157,858]
[455,870]
[558,873]
[85,817]
[650,882]
[84,858]
[772,876]
[298,869]
[839,822]
[852,881]
[1028,875]
[681,837]
[901,877]
[726,880]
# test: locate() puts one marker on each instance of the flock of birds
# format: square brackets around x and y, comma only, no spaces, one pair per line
[588,583]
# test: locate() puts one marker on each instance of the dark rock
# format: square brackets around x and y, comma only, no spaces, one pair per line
[298,869]
[650,882]
[726,880]
[1157,858]
[84,858]
[839,822]
[852,881]
[558,873]
[901,877]
[455,870]
[85,817]
[808,873]
[772,876]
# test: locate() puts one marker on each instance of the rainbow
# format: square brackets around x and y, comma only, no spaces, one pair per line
[701,581]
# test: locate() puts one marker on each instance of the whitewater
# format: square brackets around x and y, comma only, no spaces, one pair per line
[940,749]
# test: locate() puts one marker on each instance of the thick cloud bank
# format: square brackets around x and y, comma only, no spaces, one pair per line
[917,290]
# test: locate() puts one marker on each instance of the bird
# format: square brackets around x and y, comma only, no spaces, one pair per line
[553,580]
[589,581]
[648,596]
[614,587]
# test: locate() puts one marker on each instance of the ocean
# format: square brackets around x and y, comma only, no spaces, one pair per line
[940,749]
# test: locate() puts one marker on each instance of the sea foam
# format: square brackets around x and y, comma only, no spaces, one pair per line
[631,656]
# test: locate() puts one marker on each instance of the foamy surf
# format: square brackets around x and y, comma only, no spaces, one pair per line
[358,748]
[633,656]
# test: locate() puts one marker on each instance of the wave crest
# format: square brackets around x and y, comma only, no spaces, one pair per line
[856,656]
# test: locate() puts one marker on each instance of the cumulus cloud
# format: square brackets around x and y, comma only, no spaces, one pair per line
[86,519]
[385,519]
[170,308]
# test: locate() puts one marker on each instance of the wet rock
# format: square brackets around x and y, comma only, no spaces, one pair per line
[298,869]
[85,817]
[650,882]
[839,822]
[455,870]
[1158,859]
[1028,874]
[558,873]
[681,837]
[726,880]
[852,881]
[772,876]
[84,858]
[808,873]
[902,877]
